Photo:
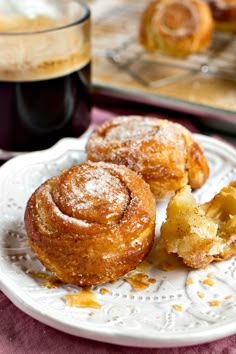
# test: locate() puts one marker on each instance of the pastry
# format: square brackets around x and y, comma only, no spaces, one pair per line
[199,234]
[176,27]
[164,153]
[91,224]
[224,14]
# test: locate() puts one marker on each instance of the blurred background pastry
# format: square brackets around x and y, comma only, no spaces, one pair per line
[224,14]
[177,28]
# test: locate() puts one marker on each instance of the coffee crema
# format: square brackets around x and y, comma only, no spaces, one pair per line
[41,47]
[44,73]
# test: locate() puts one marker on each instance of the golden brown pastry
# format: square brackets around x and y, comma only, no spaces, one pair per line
[199,234]
[164,153]
[91,224]
[224,14]
[222,210]
[176,27]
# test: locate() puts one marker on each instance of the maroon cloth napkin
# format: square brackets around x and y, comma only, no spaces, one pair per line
[21,334]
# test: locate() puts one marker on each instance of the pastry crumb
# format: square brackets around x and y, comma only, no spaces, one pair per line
[228,297]
[190,281]
[178,307]
[152,280]
[104,291]
[139,281]
[200,294]
[210,275]
[85,298]
[208,282]
[214,303]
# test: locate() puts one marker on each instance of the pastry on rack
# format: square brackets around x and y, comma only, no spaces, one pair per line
[176,27]
[164,153]
[224,14]
[199,234]
[91,224]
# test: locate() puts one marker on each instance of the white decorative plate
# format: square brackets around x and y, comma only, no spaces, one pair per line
[170,312]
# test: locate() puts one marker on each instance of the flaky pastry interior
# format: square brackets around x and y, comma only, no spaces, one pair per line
[164,153]
[176,27]
[199,234]
[91,224]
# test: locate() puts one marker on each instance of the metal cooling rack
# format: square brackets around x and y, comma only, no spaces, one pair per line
[219,60]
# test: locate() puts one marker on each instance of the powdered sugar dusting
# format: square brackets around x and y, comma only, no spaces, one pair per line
[162,152]
[140,143]
[123,133]
[46,192]
[104,185]
[91,192]
[128,140]
[142,129]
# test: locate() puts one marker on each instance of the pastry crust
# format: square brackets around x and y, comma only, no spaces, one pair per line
[91,224]
[224,14]
[199,234]
[164,153]
[175,27]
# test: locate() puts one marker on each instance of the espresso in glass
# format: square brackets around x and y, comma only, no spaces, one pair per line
[44,72]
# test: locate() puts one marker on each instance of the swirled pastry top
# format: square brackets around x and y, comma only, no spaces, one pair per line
[92,223]
[93,195]
[178,28]
[164,153]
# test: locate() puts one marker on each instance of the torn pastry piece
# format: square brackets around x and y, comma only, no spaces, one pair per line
[224,14]
[165,154]
[199,234]
[176,27]
[222,210]
[91,224]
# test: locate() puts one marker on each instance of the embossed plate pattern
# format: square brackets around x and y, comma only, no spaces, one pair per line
[173,311]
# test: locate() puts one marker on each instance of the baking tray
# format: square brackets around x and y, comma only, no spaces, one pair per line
[203,84]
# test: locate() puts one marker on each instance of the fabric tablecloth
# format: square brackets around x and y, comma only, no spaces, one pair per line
[21,334]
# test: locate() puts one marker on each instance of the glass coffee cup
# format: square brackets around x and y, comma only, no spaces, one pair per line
[44,73]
